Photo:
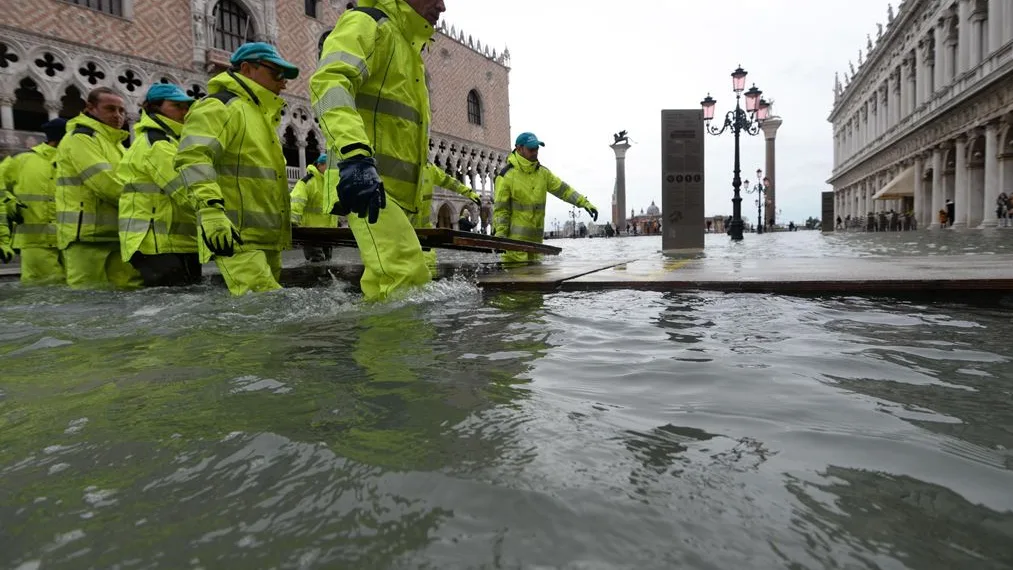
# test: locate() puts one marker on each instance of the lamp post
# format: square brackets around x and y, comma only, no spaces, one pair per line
[739,121]
[759,189]
[573,216]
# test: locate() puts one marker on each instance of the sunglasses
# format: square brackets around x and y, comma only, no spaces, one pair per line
[279,74]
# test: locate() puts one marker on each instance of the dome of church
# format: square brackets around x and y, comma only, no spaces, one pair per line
[653,210]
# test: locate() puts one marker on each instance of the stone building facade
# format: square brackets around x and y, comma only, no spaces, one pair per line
[927,115]
[52,52]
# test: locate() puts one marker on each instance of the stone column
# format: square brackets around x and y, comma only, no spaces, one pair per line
[938,54]
[1007,26]
[974,54]
[884,107]
[301,145]
[53,109]
[903,89]
[919,190]
[992,175]
[961,188]
[7,113]
[964,37]
[620,149]
[997,10]
[937,187]
[770,127]
[920,67]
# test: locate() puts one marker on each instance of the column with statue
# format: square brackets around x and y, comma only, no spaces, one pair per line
[620,146]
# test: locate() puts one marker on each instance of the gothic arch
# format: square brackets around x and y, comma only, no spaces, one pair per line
[976,151]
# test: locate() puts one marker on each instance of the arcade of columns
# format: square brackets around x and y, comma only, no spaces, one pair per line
[929,114]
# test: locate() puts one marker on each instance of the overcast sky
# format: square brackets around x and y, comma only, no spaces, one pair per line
[584,69]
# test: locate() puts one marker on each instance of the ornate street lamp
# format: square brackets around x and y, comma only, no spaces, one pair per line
[759,189]
[738,120]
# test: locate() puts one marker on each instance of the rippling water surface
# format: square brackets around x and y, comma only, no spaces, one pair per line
[456,429]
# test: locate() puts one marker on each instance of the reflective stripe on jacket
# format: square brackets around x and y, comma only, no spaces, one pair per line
[369,95]
[308,201]
[155,214]
[35,186]
[87,190]
[521,187]
[229,151]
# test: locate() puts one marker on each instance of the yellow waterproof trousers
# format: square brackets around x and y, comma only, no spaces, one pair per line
[42,266]
[514,257]
[251,271]
[423,221]
[99,266]
[391,253]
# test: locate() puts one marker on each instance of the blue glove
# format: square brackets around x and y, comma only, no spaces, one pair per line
[360,189]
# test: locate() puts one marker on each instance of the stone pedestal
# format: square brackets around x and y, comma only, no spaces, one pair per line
[770,127]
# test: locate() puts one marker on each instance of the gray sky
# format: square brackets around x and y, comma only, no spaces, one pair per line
[584,69]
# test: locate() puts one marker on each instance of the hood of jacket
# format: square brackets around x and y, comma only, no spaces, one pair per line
[103,130]
[413,26]
[148,122]
[520,163]
[248,90]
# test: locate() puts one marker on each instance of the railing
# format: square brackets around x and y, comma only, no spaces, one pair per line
[293,173]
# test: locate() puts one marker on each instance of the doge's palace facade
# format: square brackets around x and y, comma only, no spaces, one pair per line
[926,116]
[53,52]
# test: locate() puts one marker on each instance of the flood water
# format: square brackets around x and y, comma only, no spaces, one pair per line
[460,429]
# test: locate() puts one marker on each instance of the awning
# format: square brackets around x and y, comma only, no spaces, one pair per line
[901,186]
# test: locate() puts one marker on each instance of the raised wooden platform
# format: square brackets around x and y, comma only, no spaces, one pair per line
[963,274]
[786,275]
[429,238]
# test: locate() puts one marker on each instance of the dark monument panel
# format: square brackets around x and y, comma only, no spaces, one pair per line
[682,179]
[827,221]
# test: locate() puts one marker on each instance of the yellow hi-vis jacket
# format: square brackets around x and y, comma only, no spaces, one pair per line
[519,203]
[308,201]
[155,214]
[33,184]
[229,151]
[369,95]
[436,176]
[87,190]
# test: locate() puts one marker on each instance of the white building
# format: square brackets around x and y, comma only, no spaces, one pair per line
[926,116]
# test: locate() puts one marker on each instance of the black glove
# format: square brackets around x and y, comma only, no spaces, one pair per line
[360,189]
[592,211]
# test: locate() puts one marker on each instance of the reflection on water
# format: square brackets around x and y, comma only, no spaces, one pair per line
[617,429]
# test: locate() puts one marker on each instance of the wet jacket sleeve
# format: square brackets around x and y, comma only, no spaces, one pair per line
[444,180]
[502,207]
[7,202]
[95,174]
[562,190]
[299,196]
[206,131]
[345,64]
[161,166]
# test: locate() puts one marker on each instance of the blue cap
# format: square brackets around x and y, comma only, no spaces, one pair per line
[55,129]
[167,92]
[321,159]
[528,140]
[260,51]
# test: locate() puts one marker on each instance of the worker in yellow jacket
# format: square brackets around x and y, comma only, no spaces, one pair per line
[423,219]
[88,195]
[158,228]
[308,207]
[369,95]
[31,180]
[521,189]
[231,162]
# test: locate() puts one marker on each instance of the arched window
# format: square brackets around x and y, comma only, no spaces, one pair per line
[233,26]
[474,108]
[114,7]
[289,147]
[29,107]
[72,103]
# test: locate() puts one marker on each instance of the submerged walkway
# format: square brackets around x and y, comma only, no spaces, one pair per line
[834,275]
